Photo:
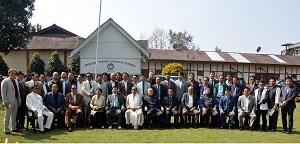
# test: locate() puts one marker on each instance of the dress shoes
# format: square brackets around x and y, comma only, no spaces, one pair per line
[221,127]
[8,133]
[241,128]
[17,130]
[119,127]
[149,127]
[70,129]
[284,131]
[139,127]
[272,130]
[127,126]
[47,130]
[288,132]
[42,132]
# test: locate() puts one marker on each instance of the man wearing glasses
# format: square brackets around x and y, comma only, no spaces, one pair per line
[34,81]
[34,102]
[11,99]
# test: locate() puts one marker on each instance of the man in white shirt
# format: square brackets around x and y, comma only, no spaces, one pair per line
[79,84]
[181,86]
[134,114]
[190,103]
[88,93]
[246,107]
[143,86]
[34,102]
[45,85]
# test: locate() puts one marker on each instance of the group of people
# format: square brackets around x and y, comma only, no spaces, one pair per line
[147,103]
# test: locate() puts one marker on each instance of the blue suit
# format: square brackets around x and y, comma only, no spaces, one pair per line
[202,90]
[50,103]
[227,105]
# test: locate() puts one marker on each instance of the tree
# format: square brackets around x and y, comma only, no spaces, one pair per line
[158,39]
[3,67]
[218,49]
[36,64]
[15,28]
[55,64]
[74,65]
[173,69]
[183,39]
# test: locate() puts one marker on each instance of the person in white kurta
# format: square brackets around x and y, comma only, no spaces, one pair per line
[134,114]
[34,102]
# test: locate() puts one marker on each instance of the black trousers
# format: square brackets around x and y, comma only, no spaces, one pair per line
[263,114]
[98,119]
[21,115]
[273,120]
[290,112]
[168,117]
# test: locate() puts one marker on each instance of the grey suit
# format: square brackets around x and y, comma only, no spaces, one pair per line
[114,109]
[8,95]
[181,90]
[242,107]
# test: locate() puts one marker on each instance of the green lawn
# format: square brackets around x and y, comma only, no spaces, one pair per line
[191,135]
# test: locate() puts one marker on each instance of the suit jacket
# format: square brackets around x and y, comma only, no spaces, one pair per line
[23,92]
[140,88]
[167,103]
[182,90]
[111,98]
[224,105]
[212,83]
[151,81]
[205,99]
[202,90]
[185,101]
[195,85]
[238,92]
[251,105]
[50,101]
[172,85]
[8,91]
[162,90]
[41,92]
[216,90]
[86,90]
[68,85]
[265,93]
[47,88]
[289,97]
[71,102]
[254,88]
[109,86]
[121,87]
[152,103]
[58,83]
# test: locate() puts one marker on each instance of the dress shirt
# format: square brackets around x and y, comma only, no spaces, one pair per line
[191,101]
[220,90]
[45,88]
[246,104]
[79,87]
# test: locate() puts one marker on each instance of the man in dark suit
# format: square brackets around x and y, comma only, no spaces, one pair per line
[287,99]
[273,103]
[204,86]
[252,85]
[112,83]
[209,106]
[227,106]
[171,106]
[236,92]
[195,84]
[169,84]
[22,108]
[55,80]
[118,77]
[189,105]
[246,106]
[159,89]
[114,104]
[69,82]
[153,105]
[181,85]
[151,78]
[212,80]
[55,102]
[125,87]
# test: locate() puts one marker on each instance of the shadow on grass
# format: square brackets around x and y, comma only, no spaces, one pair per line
[30,135]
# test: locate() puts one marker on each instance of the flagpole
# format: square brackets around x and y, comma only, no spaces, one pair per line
[96,66]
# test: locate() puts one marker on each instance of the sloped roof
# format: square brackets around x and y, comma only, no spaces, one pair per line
[202,56]
[54,38]
[143,50]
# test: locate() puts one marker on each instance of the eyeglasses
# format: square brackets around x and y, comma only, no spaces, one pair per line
[42,77]
[79,77]
[36,88]
[74,88]
[133,89]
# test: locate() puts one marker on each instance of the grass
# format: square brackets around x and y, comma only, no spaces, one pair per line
[191,135]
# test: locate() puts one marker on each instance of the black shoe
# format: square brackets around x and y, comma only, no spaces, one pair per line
[47,130]
[241,128]
[8,133]
[284,131]
[127,126]
[139,127]
[186,126]
[288,132]
[43,132]
[18,130]
[221,127]
[149,127]
[70,129]
[272,130]
[250,129]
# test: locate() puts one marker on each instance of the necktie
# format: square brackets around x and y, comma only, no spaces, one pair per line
[227,105]
[90,85]
[143,89]
[158,92]
[15,87]
[116,103]
[251,87]
[234,91]
[170,101]
[168,84]
[259,95]
[287,90]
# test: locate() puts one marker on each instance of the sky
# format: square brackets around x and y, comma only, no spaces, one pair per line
[231,25]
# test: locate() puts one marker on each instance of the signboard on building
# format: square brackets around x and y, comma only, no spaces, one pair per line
[131,66]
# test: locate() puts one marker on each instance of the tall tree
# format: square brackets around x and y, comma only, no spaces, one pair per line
[3,67]
[15,28]
[55,64]
[183,39]
[74,65]
[36,64]
[158,39]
